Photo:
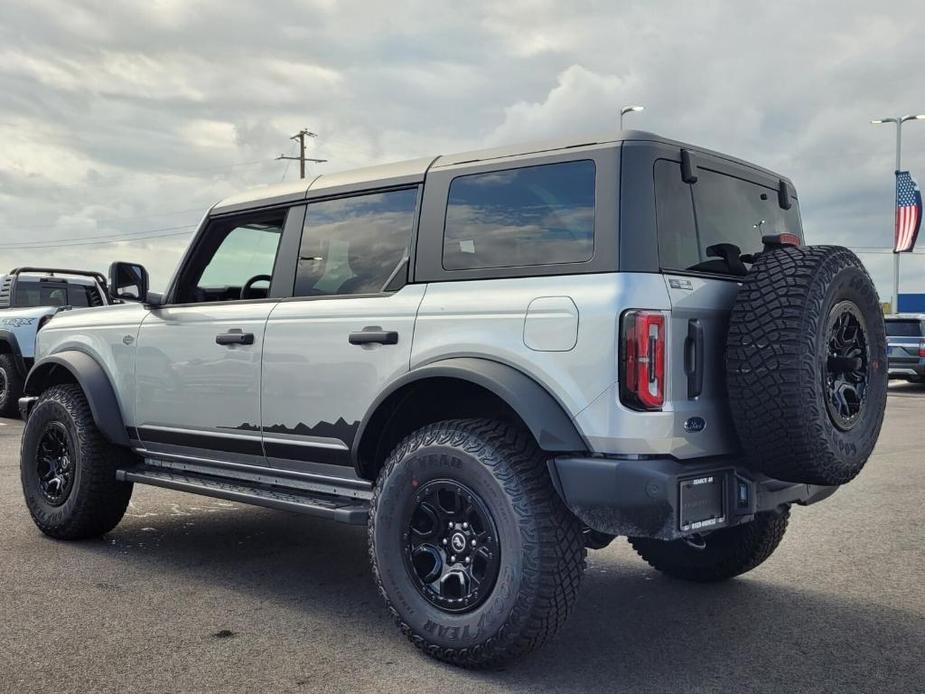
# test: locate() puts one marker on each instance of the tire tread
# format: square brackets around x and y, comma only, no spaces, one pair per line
[552,584]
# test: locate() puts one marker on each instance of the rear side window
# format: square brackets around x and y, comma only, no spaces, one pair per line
[80,295]
[354,245]
[31,293]
[678,245]
[534,215]
[694,219]
[904,328]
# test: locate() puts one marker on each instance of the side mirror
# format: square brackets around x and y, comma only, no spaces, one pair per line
[128,281]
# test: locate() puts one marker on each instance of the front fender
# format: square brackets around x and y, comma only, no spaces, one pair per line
[9,342]
[76,366]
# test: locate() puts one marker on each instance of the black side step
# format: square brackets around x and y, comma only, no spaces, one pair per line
[340,509]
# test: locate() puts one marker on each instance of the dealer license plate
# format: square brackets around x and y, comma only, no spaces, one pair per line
[703,502]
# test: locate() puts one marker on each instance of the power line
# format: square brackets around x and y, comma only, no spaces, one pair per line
[115,235]
[113,239]
[184,172]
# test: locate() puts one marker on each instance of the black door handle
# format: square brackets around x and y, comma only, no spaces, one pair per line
[373,335]
[693,358]
[233,338]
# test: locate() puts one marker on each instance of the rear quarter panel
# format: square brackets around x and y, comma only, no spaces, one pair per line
[496,319]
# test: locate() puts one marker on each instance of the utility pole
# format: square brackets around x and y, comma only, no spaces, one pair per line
[899,120]
[300,136]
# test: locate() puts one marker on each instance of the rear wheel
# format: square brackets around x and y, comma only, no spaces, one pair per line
[68,469]
[476,556]
[11,385]
[718,556]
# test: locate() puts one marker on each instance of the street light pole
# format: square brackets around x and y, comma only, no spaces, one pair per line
[629,109]
[899,120]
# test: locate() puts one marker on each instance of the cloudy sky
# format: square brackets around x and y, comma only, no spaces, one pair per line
[131,118]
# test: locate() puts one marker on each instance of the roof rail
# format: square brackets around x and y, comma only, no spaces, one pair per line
[98,276]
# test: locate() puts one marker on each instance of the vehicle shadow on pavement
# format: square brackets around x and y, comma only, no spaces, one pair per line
[632,629]
[900,389]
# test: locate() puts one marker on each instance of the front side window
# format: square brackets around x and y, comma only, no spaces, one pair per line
[535,215]
[355,245]
[235,262]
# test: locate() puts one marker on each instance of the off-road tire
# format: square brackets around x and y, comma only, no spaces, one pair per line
[11,386]
[97,501]
[541,547]
[728,552]
[777,359]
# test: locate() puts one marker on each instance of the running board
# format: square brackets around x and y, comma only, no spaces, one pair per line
[336,508]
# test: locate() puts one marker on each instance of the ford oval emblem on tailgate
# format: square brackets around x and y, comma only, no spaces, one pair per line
[694,424]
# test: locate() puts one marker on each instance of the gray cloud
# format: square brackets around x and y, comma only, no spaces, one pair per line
[127,117]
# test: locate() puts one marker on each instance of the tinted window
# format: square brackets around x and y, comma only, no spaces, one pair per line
[728,210]
[904,328]
[354,245]
[536,215]
[677,231]
[79,295]
[30,293]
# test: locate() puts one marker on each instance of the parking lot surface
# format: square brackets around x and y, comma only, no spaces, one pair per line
[191,594]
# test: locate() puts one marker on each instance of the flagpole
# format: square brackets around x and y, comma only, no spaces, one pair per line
[899,149]
[899,120]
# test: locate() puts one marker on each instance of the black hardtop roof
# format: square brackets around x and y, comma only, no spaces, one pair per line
[413,171]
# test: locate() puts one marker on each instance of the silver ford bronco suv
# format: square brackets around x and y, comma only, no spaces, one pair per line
[29,297]
[496,360]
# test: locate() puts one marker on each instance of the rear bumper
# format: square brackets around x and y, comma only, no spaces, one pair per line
[905,369]
[642,498]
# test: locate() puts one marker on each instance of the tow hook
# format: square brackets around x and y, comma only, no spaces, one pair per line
[696,541]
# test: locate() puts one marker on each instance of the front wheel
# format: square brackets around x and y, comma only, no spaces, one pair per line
[476,556]
[68,469]
[11,385]
[718,556]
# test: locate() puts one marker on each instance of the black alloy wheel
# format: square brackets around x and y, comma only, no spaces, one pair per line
[451,551]
[55,463]
[68,468]
[475,554]
[846,372]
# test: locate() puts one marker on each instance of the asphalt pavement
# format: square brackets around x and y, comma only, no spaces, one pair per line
[191,594]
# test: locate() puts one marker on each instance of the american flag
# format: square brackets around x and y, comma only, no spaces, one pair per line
[908,212]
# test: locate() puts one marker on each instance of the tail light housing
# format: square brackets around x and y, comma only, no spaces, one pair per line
[642,359]
[922,349]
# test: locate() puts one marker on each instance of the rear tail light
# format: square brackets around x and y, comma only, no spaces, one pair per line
[642,360]
[922,349]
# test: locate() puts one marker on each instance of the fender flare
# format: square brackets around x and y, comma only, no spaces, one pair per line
[543,415]
[104,406]
[10,339]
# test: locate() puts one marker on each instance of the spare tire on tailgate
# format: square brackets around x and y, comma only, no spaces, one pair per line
[806,364]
